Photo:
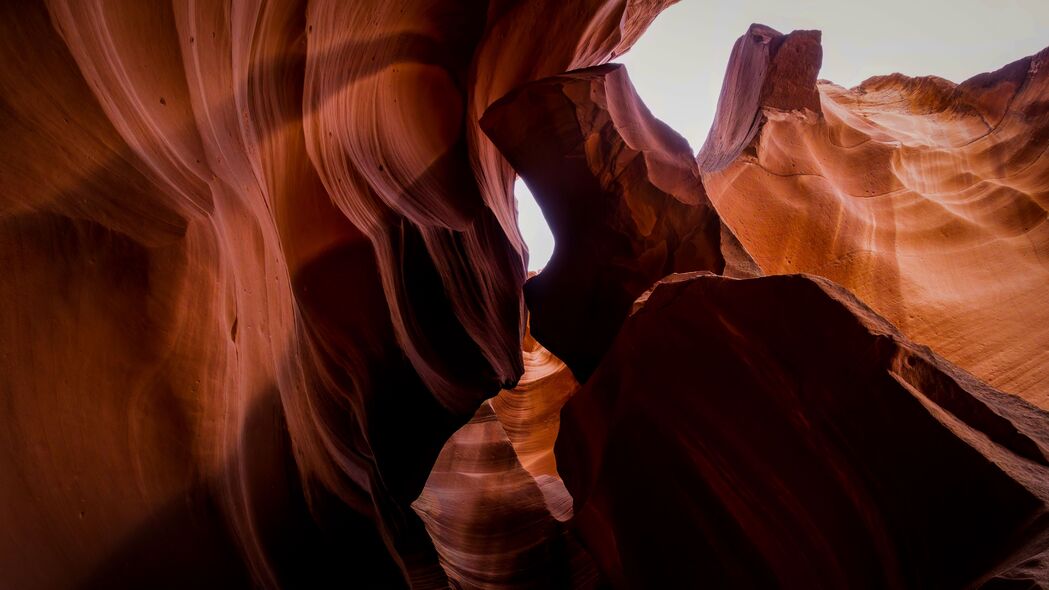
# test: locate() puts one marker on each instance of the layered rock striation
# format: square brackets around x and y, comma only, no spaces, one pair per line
[260,264]
[268,322]
[925,198]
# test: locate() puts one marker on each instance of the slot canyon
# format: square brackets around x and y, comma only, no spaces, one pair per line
[268,320]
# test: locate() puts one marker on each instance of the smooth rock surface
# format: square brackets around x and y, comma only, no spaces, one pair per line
[265,320]
[260,264]
[776,432]
[925,198]
[622,194]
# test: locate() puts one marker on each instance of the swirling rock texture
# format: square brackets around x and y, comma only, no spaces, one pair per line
[927,199]
[260,264]
[265,321]
[494,504]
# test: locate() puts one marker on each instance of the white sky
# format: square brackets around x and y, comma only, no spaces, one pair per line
[678,64]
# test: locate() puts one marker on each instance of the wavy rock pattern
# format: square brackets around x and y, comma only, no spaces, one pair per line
[264,266]
[495,504]
[266,319]
[496,524]
[927,199]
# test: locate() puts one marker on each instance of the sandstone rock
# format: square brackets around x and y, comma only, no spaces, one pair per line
[495,505]
[264,315]
[925,198]
[261,266]
[623,197]
[495,524]
[777,432]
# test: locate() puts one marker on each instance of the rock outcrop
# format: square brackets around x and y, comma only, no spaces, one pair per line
[623,197]
[803,441]
[776,432]
[925,198]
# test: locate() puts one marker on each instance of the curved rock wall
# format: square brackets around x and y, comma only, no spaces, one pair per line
[262,265]
[778,432]
[927,199]
[266,319]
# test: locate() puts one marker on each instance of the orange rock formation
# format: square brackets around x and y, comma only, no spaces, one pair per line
[266,321]
[259,258]
[925,198]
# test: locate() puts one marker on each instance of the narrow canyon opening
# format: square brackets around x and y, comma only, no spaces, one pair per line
[534,228]
[678,64]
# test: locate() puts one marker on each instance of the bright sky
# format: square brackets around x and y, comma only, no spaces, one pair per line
[678,64]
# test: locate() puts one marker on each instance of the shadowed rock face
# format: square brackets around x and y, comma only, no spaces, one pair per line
[802,442]
[623,196]
[266,322]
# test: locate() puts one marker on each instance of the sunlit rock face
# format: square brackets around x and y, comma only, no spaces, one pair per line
[266,318]
[497,510]
[926,199]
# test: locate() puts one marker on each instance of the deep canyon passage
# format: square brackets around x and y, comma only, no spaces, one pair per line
[268,320]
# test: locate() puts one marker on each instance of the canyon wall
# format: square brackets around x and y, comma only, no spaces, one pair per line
[260,264]
[268,322]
